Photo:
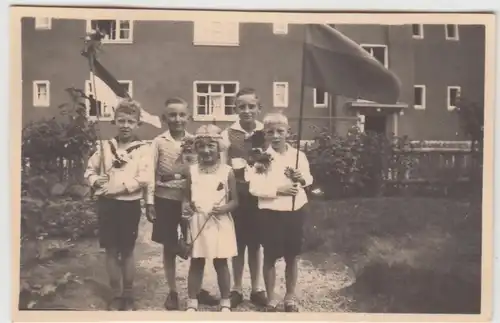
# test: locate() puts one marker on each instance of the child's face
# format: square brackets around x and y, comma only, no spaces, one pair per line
[176,116]
[247,107]
[127,124]
[208,151]
[276,135]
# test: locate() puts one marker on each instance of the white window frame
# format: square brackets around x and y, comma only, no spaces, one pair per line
[448,37]
[280,28]
[41,103]
[420,29]
[115,41]
[424,97]
[448,97]
[212,117]
[43,23]
[111,113]
[386,51]
[280,104]
[320,105]
[202,33]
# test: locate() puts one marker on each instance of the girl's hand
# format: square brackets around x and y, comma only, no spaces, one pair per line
[218,210]
[113,189]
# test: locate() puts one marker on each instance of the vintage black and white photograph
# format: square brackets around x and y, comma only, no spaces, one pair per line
[253,162]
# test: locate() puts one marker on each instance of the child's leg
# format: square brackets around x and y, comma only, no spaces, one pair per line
[195,277]
[270,279]
[169,265]
[128,271]
[223,278]
[114,271]
[255,266]
[291,274]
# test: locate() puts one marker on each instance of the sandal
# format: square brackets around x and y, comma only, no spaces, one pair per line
[191,309]
[291,307]
[225,309]
[270,308]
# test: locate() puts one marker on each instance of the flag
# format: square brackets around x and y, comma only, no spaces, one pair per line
[336,64]
[109,92]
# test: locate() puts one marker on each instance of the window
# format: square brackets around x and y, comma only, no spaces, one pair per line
[43,23]
[214,100]
[280,94]
[453,95]
[106,99]
[280,28]
[320,99]
[419,97]
[418,31]
[379,52]
[451,32]
[216,33]
[41,93]
[115,31]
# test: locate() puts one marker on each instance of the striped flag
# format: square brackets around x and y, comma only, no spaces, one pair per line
[336,64]
[109,92]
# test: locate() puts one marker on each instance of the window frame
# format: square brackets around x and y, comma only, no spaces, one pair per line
[211,116]
[320,105]
[448,96]
[386,51]
[87,103]
[201,29]
[447,36]
[43,26]
[36,102]
[423,99]
[130,40]
[275,87]
[420,35]
[280,28]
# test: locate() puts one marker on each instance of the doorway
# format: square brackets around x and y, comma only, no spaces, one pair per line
[376,124]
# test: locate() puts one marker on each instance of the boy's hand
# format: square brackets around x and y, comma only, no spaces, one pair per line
[297,176]
[150,213]
[113,189]
[101,181]
[288,190]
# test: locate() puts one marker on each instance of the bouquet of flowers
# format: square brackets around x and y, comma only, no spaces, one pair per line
[260,160]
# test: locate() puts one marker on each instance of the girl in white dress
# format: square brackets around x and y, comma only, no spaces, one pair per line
[210,198]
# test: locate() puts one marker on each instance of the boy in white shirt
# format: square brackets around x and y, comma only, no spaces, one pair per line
[279,187]
[120,177]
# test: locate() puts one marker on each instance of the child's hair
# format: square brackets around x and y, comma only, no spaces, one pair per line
[246,91]
[275,118]
[130,107]
[211,132]
[175,100]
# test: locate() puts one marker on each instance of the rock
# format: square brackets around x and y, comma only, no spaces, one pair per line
[58,189]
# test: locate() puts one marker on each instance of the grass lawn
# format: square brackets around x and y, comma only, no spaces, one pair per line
[408,255]
[380,255]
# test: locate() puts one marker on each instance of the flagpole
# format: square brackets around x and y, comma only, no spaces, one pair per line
[301,107]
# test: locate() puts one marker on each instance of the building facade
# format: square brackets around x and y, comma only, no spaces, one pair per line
[207,62]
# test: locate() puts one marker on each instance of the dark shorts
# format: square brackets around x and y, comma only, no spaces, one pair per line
[247,224]
[282,233]
[118,223]
[168,218]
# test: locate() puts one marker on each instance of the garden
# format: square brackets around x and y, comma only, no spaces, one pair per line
[393,227]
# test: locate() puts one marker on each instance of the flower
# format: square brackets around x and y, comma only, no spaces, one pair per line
[260,160]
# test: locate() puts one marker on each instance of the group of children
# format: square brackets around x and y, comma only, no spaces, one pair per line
[222,203]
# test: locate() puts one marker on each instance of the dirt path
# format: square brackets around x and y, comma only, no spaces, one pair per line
[317,287]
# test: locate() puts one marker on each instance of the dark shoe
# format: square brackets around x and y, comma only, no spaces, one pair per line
[129,304]
[116,304]
[258,298]
[236,299]
[291,307]
[205,298]
[172,302]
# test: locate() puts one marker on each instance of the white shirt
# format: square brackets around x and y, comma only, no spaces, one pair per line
[265,186]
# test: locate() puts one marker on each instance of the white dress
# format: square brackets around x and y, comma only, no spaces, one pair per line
[218,238]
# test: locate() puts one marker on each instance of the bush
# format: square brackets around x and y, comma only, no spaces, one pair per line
[357,164]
